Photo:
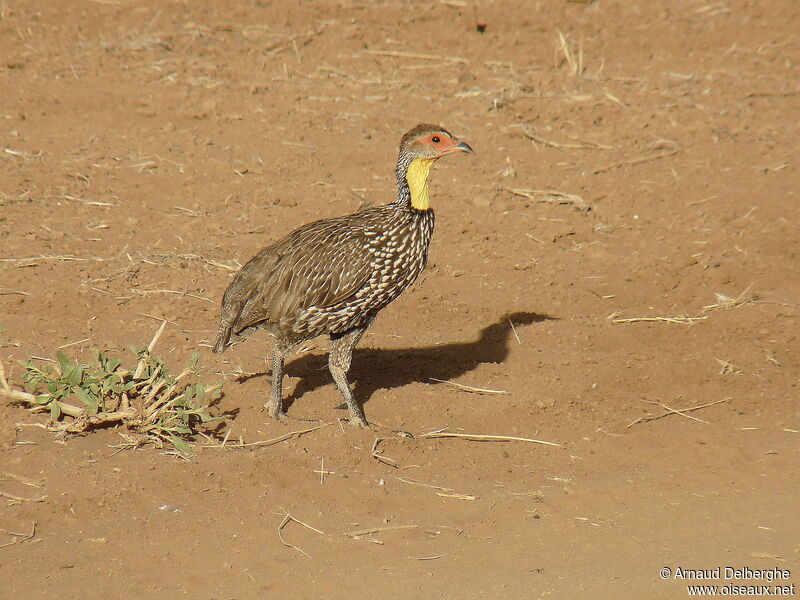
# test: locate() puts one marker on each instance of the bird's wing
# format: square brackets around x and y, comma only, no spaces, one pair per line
[321,264]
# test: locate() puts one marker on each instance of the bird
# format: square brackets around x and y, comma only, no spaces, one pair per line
[333,276]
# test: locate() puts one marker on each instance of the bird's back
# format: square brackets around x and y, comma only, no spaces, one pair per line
[327,276]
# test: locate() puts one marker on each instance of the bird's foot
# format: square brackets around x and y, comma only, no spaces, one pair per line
[359,421]
[357,417]
[276,413]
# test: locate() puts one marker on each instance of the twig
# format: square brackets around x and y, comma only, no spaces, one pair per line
[142,363]
[179,293]
[728,368]
[362,532]
[457,496]
[575,64]
[384,459]
[401,54]
[415,482]
[681,320]
[322,472]
[277,440]
[61,257]
[227,435]
[76,412]
[514,330]
[20,537]
[281,45]
[772,94]
[10,292]
[469,388]
[287,518]
[485,438]
[20,479]
[635,161]
[15,499]
[567,146]
[724,301]
[551,197]
[18,395]
[676,411]
[443,492]
[73,343]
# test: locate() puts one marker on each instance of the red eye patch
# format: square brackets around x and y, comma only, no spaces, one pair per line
[438,141]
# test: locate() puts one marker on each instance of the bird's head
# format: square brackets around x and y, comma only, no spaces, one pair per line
[419,149]
[431,142]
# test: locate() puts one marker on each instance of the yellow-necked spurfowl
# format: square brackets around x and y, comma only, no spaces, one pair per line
[333,276]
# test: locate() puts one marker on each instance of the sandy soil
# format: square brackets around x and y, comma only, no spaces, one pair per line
[146,149]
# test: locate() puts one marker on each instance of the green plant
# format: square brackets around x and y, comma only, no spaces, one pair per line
[150,402]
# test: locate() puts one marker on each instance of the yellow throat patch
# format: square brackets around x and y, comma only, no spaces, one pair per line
[417,178]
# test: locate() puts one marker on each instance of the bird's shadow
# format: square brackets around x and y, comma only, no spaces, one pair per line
[373,369]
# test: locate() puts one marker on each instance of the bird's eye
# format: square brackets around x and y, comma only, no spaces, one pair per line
[436,139]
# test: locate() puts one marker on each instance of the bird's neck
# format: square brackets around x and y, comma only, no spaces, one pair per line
[412,183]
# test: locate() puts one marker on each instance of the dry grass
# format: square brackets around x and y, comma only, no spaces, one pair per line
[288,518]
[579,145]
[480,437]
[660,149]
[20,538]
[259,444]
[725,302]
[681,320]
[441,434]
[403,54]
[359,533]
[551,197]
[469,388]
[569,56]
[675,411]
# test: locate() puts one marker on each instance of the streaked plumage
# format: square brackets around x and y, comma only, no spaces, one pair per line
[334,275]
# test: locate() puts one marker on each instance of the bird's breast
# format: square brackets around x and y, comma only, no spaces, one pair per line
[400,255]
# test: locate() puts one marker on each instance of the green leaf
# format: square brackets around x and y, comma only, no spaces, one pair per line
[69,375]
[55,410]
[207,418]
[63,362]
[186,398]
[90,401]
[180,444]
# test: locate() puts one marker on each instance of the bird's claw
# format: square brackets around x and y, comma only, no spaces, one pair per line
[359,421]
[274,412]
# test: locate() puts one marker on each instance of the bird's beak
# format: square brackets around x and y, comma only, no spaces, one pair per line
[458,147]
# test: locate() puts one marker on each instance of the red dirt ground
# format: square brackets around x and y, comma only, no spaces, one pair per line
[147,147]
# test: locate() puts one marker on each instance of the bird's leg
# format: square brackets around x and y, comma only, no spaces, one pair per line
[275,403]
[339,363]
